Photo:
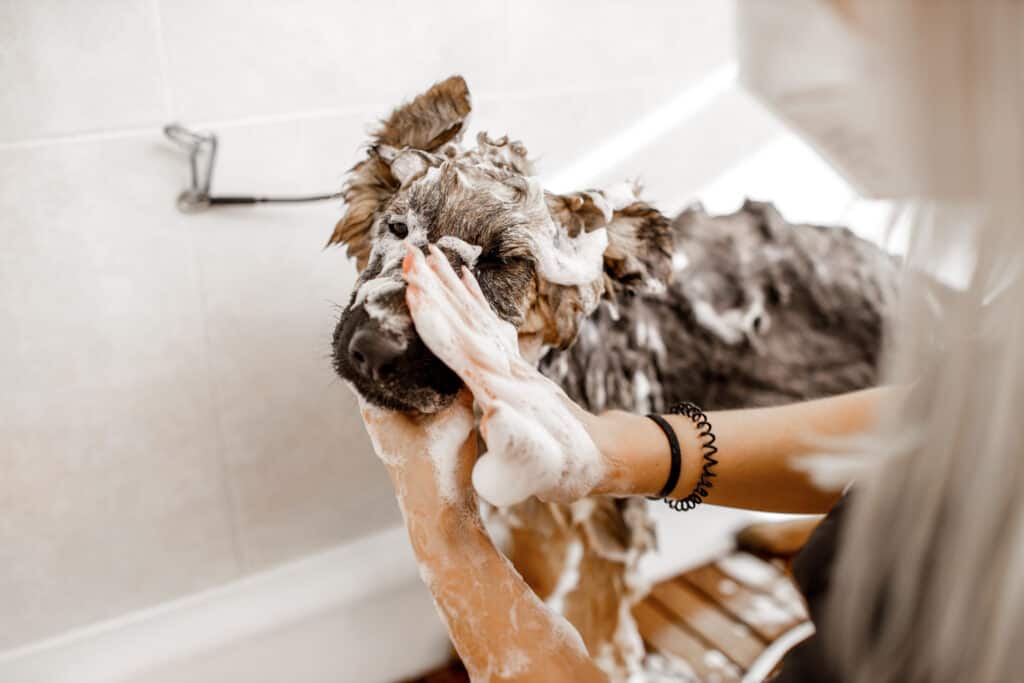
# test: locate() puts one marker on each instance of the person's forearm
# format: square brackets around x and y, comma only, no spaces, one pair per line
[500,628]
[498,625]
[761,452]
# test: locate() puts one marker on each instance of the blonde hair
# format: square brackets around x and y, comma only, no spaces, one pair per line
[929,581]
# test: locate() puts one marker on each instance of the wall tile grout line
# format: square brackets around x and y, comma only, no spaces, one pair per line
[140,131]
[87,136]
[289,117]
[371,109]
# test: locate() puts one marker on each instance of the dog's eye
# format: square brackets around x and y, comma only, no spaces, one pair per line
[398,229]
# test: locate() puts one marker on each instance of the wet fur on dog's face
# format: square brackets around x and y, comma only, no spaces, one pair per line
[543,261]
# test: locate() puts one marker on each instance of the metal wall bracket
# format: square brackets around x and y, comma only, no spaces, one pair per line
[202,155]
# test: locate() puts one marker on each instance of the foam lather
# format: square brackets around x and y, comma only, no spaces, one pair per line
[536,444]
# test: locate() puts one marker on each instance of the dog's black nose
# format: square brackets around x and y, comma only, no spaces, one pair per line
[374,355]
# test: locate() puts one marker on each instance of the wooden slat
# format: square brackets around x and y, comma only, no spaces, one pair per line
[760,611]
[711,623]
[767,577]
[658,629]
[752,571]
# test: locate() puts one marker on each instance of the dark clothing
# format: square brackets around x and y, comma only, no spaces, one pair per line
[812,570]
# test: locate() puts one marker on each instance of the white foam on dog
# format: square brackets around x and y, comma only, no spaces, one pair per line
[569,578]
[564,260]
[469,253]
[561,259]
[378,287]
[445,437]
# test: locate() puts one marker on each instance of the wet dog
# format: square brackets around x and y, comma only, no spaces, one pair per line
[543,260]
[743,315]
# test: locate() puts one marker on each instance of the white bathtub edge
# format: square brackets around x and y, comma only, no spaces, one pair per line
[371,567]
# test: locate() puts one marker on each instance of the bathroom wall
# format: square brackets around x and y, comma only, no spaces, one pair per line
[169,420]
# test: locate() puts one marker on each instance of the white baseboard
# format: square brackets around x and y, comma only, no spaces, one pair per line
[356,612]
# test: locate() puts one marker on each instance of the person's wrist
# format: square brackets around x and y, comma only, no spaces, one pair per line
[419,494]
[606,430]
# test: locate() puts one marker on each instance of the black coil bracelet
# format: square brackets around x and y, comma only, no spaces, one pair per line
[707,438]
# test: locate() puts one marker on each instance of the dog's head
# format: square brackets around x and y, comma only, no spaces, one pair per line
[543,260]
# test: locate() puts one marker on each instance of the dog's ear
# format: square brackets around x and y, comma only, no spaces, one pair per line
[430,121]
[639,252]
[370,185]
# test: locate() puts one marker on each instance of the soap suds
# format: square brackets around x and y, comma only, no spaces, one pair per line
[385,261]
[613,311]
[378,287]
[570,261]
[649,337]
[726,326]
[653,285]
[569,578]
[664,668]
[561,259]
[372,413]
[582,509]
[445,436]
[621,195]
[765,612]
[426,574]
[641,393]
[498,523]
[679,261]
[468,253]
[830,471]
[749,570]
[513,663]
[371,296]
[626,644]
[536,445]
[720,667]
[713,659]
[736,324]
[392,321]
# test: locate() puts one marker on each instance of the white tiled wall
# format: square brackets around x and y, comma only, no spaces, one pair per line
[168,416]
[75,66]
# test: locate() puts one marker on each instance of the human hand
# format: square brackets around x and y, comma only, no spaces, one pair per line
[536,436]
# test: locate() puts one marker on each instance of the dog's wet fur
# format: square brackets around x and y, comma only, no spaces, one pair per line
[484,209]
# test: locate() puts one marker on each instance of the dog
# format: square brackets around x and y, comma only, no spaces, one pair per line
[587,280]
[544,261]
[485,210]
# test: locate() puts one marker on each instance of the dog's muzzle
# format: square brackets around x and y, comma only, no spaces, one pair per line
[387,362]
[373,354]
